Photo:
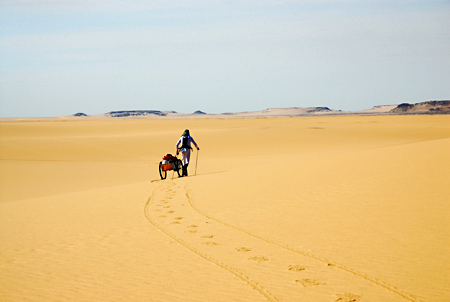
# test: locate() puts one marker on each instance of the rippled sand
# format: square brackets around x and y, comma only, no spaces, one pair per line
[280,209]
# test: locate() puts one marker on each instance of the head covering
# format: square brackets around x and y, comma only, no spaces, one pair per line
[186,132]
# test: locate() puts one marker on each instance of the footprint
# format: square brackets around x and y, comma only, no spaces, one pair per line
[162,216]
[170,212]
[348,297]
[178,218]
[175,222]
[207,236]
[192,226]
[166,207]
[259,259]
[309,282]
[243,249]
[158,210]
[191,231]
[209,243]
[296,268]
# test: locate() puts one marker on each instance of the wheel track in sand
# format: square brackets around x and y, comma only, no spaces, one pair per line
[303,253]
[233,271]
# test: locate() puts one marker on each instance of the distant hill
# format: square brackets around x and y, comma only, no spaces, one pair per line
[136,113]
[199,112]
[319,109]
[430,107]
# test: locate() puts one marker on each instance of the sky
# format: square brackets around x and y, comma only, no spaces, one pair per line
[61,57]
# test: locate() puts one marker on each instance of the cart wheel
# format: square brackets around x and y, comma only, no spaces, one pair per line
[162,173]
[180,168]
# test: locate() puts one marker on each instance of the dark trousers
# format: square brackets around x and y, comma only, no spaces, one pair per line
[185,172]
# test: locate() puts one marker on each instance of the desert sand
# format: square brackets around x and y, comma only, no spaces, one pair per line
[323,208]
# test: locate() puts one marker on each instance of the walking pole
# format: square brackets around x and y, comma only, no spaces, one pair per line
[196,161]
[173,173]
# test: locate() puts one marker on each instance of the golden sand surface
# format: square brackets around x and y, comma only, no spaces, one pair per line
[342,209]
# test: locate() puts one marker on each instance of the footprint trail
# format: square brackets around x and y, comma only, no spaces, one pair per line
[275,271]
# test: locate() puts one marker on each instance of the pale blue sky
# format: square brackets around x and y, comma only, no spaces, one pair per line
[62,57]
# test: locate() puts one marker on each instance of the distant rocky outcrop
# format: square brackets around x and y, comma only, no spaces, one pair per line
[404,107]
[199,112]
[318,109]
[430,107]
[135,113]
[80,114]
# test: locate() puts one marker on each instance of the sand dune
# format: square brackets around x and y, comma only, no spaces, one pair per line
[322,208]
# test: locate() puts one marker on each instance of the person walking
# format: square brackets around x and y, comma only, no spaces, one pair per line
[184,146]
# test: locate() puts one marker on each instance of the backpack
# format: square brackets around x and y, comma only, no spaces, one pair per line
[185,142]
